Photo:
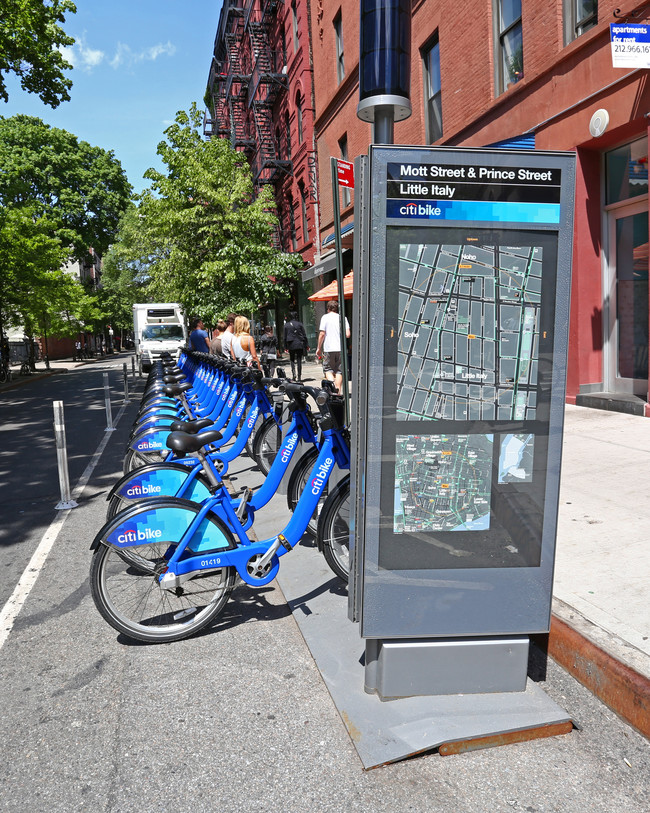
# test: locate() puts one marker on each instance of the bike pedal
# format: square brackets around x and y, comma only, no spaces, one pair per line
[282,539]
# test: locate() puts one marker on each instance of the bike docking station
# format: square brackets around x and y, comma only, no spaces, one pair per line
[461,313]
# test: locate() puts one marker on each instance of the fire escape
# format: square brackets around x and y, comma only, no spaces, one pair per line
[245,81]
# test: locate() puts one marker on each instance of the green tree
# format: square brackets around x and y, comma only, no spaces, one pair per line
[30,42]
[81,190]
[124,279]
[202,238]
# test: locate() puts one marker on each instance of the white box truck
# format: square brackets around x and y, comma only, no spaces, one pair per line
[157,328]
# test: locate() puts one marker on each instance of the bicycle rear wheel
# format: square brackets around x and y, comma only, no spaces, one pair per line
[334,529]
[297,482]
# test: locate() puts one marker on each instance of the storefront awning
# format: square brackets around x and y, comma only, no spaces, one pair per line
[331,291]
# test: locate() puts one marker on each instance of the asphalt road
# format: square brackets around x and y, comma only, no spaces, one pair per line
[238,717]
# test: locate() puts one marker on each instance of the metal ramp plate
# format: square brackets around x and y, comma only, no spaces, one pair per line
[384,732]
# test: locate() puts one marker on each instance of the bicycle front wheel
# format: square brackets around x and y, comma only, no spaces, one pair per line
[268,440]
[334,529]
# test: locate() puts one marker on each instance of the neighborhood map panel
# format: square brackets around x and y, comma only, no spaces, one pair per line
[442,482]
[468,331]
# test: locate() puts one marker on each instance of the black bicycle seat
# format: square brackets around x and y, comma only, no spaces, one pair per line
[191,427]
[183,442]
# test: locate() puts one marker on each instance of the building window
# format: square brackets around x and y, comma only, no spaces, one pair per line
[345,192]
[299,117]
[579,16]
[292,224]
[294,26]
[432,91]
[338,35]
[626,171]
[287,131]
[510,57]
[303,213]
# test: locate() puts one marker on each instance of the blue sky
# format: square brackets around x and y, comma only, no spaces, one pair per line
[135,65]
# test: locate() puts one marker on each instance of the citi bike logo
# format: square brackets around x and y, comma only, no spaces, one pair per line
[252,419]
[148,444]
[239,410]
[420,210]
[232,398]
[138,491]
[321,476]
[138,536]
[289,446]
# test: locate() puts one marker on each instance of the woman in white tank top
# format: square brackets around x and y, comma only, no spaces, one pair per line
[243,344]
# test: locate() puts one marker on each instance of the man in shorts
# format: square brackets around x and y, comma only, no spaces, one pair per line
[329,344]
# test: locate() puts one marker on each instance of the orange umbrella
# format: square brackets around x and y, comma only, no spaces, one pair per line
[331,291]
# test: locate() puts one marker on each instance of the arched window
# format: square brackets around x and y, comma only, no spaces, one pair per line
[303,212]
[299,116]
[287,131]
[292,224]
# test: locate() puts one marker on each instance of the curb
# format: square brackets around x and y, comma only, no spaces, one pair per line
[620,687]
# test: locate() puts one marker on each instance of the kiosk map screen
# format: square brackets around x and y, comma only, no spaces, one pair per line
[466,399]
[468,331]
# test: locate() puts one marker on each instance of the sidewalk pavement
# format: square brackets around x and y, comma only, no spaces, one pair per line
[600,629]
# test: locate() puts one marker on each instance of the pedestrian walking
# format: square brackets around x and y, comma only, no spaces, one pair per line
[329,344]
[199,336]
[295,341]
[243,344]
[268,351]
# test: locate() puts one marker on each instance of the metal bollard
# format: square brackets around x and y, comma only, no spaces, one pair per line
[133,369]
[126,385]
[62,458]
[107,401]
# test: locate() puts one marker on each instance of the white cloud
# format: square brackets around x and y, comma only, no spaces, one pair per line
[82,56]
[125,55]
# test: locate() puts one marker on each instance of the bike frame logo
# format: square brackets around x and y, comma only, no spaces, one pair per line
[321,475]
[289,446]
[253,417]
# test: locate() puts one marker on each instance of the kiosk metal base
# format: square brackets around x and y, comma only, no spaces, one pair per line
[407,668]
[384,732]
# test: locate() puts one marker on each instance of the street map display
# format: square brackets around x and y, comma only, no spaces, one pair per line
[442,482]
[468,331]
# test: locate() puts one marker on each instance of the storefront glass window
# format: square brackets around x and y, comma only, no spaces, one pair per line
[627,171]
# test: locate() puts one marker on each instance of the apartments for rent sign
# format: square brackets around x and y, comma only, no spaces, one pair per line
[500,194]
[630,45]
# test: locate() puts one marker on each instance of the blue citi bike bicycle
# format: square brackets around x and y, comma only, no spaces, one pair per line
[164,569]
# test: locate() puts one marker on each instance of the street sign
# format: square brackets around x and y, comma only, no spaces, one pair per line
[630,45]
[345,173]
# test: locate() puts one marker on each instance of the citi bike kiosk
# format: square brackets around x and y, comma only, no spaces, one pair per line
[462,309]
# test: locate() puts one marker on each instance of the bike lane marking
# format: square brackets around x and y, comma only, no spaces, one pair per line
[31,573]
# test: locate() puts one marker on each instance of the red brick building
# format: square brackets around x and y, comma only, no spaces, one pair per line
[534,73]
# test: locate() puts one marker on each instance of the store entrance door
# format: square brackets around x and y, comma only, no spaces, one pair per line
[626,345]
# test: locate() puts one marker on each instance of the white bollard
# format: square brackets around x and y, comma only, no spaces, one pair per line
[107,401]
[62,458]
[133,369]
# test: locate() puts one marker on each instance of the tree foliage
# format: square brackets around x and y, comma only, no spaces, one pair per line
[200,235]
[58,198]
[30,42]
[81,190]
